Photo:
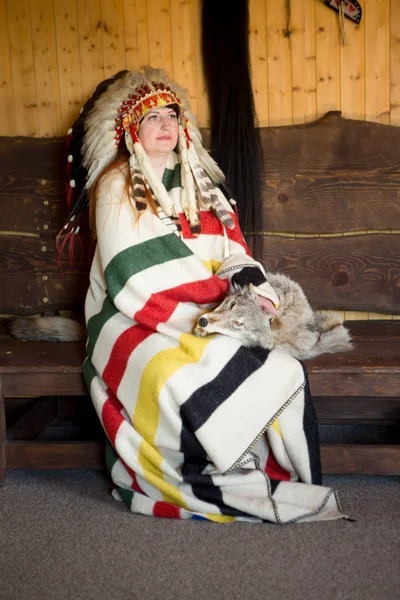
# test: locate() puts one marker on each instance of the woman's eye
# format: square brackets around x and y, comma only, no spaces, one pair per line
[172,116]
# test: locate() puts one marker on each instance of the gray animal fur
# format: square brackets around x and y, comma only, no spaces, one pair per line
[49,329]
[299,329]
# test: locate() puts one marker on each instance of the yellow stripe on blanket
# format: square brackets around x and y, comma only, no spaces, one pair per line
[147,412]
[275,425]
[212,265]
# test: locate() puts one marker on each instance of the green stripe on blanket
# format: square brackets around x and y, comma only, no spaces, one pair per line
[172,178]
[97,322]
[140,257]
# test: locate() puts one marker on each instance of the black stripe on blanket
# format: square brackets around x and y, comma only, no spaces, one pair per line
[194,462]
[311,432]
[204,401]
[248,275]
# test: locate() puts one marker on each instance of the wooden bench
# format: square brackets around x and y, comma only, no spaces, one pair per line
[334,177]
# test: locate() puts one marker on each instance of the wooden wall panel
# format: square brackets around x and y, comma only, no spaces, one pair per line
[352,72]
[377,56]
[259,59]
[279,65]
[183,48]
[6,85]
[68,60]
[22,67]
[159,34]
[90,43]
[46,68]
[327,59]
[304,90]
[53,54]
[395,63]
[113,26]
[136,34]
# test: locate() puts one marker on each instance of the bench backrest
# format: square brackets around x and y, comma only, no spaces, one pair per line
[331,211]
[32,212]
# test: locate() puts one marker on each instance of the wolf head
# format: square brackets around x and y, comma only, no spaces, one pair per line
[238,316]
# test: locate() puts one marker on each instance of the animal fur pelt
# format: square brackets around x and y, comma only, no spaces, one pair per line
[49,329]
[299,329]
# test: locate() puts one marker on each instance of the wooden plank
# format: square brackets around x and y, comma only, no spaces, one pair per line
[377,60]
[136,35]
[303,204]
[90,47]
[354,384]
[8,125]
[68,61]
[349,273]
[46,73]
[203,109]
[19,359]
[374,331]
[183,48]
[113,24]
[355,411]
[352,71]
[304,91]
[44,384]
[258,59]
[279,65]
[34,421]
[54,455]
[395,63]
[22,67]
[159,34]
[360,460]
[335,144]
[31,185]
[328,59]
[30,278]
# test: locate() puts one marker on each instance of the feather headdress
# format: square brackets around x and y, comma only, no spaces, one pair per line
[112,114]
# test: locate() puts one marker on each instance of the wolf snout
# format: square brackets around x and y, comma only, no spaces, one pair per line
[203,322]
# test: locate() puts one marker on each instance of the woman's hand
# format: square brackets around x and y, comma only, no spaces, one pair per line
[267,305]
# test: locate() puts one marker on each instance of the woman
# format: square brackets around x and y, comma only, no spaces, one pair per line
[198,428]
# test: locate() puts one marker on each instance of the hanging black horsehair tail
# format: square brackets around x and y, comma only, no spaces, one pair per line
[235,141]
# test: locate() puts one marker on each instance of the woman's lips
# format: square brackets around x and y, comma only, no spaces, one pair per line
[164,137]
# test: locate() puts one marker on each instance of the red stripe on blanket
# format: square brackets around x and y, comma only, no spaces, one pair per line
[210,225]
[166,510]
[120,353]
[111,416]
[274,470]
[158,309]
[134,485]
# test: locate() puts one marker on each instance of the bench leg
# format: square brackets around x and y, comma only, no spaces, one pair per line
[2,437]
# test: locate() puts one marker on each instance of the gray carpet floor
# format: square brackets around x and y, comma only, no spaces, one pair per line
[64,537]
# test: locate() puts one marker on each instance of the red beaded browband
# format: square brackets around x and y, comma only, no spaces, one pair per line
[141,102]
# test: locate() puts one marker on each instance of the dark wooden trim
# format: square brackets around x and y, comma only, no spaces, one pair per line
[354,384]
[360,459]
[43,384]
[34,421]
[353,410]
[54,455]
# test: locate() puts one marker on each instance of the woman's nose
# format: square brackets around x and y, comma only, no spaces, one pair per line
[165,124]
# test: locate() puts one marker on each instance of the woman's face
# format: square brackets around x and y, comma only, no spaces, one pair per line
[158,131]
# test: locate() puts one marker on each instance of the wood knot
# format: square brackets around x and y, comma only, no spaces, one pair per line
[340,278]
[283,198]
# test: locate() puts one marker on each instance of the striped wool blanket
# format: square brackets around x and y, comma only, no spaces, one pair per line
[198,428]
